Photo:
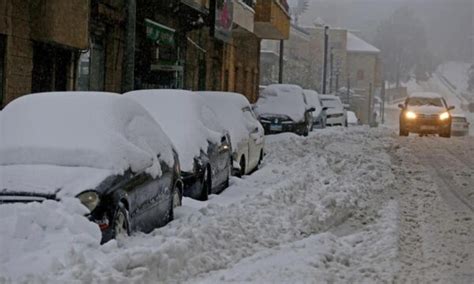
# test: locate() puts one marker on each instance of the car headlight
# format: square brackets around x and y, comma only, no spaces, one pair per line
[90,199]
[410,115]
[444,116]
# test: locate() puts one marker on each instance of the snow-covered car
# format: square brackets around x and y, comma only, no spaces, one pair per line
[282,108]
[352,119]
[335,113]
[459,125]
[102,148]
[246,133]
[319,113]
[425,113]
[203,145]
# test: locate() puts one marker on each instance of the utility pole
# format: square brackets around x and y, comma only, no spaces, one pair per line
[325,63]
[280,71]
[331,65]
[348,89]
[382,94]
[128,73]
[369,106]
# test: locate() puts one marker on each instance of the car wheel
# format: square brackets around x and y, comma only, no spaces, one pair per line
[229,174]
[121,223]
[445,134]
[176,201]
[242,166]
[260,159]
[205,184]
[403,131]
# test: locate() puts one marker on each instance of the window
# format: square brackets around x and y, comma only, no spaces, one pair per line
[50,68]
[360,75]
[3,44]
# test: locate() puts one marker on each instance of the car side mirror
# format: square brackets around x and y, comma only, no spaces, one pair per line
[311,109]
[451,107]
[401,106]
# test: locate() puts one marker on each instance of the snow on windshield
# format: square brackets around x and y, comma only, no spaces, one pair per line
[331,103]
[282,100]
[415,101]
[183,116]
[80,129]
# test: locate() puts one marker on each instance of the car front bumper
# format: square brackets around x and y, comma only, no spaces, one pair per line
[430,125]
[298,128]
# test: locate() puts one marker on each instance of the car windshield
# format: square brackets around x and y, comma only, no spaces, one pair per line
[425,102]
[330,103]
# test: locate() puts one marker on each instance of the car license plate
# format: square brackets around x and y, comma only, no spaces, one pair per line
[428,127]
[275,127]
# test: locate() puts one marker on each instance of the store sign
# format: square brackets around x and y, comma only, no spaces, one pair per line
[160,34]
[224,15]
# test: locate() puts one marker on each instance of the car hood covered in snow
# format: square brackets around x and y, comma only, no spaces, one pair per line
[426,109]
[284,100]
[81,129]
[45,179]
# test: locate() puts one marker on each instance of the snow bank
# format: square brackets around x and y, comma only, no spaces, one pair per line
[282,100]
[228,108]
[304,188]
[80,129]
[184,118]
[38,240]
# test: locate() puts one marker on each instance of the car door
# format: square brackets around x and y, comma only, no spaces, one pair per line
[145,194]
[256,137]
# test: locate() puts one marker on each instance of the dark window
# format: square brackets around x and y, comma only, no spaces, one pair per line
[50,68]
[3,43]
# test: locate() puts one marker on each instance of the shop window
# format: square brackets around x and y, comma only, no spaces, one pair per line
[360,75]
[2,68]
[50,68]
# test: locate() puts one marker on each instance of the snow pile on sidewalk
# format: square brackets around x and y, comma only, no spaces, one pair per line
[306,187]
[38,239]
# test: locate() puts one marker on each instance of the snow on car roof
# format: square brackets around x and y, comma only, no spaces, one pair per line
[282,99]
[228,108]
[82,129]
[424,95]
[183,116]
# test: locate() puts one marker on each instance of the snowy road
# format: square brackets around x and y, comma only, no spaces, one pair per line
[343,205]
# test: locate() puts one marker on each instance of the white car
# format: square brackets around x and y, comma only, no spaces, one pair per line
[319,113]
[459,125]
[336,113]
[352,119]
[246,133]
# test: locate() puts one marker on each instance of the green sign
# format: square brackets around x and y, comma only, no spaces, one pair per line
[160,34]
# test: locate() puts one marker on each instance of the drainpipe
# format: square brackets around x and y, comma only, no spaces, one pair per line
[128,69]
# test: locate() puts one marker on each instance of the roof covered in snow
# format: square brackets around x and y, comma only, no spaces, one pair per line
[356,44]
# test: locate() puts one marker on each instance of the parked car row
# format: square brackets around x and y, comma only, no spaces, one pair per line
[128,158]
[289,108]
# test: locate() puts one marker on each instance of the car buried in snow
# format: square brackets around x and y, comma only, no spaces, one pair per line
[336,114]
[282,108]
[319,114]
[460,125]
[425,113]
[102,148]
[246,133]
[203,145]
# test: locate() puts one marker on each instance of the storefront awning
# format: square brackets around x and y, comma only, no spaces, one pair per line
[160,34]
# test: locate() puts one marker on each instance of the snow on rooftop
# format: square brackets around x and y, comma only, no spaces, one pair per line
[356,44]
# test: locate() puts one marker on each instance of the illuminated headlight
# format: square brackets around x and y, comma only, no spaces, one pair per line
[225,147]
[90,199]
[410,115]
[444,116]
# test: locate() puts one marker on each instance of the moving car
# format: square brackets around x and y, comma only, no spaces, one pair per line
[101,148]
[459,125]
[203,146]
[281,108]
[319,113]
[425,113]
[336,113]
[246,133]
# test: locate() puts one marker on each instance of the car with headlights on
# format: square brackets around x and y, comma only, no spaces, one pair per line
[234,112]
[425,113]
[101,148]
[282,108]
[203,145]
[336,114]
[459,125]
